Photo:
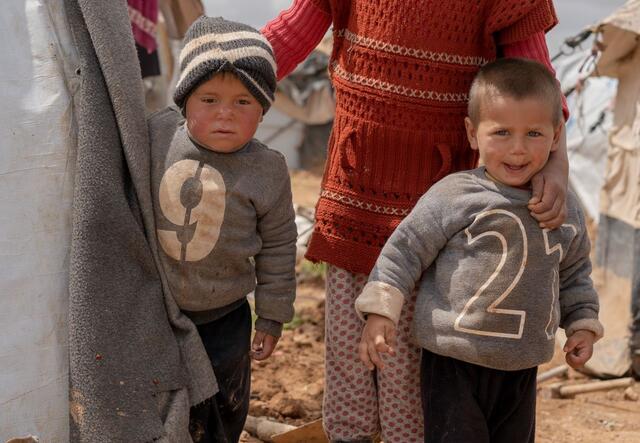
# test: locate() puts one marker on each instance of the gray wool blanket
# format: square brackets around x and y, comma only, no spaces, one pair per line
[136,362]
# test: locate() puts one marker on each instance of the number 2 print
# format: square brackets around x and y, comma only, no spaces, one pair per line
[484,306]
[480,306]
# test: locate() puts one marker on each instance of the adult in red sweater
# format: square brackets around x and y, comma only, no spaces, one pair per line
[401,70]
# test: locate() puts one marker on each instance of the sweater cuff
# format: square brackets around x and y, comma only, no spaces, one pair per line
[271,327]
[381,299]
[588,324]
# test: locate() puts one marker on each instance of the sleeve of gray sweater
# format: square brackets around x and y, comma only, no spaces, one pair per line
[410,250]
[275,263]
[579,304]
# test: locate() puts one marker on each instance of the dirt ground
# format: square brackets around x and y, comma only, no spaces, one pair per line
[288,387]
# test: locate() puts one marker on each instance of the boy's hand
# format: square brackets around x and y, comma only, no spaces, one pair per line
[378,335]
[263,345]
[549,188]
[579,348]
[548,201]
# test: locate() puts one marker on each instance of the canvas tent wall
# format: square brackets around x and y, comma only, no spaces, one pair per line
[618,248]
[604,145]
[299,123]
[37,154]
[588,127]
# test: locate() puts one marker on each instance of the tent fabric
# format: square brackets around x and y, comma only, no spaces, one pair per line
[300,123]
[591,106]
[128,341]
[74,135]
[621,59]
[37,162]
[626,17]
[618,242]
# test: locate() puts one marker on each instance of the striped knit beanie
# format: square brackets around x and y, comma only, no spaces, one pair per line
[213,44]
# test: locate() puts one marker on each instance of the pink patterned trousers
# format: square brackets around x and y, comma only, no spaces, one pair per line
[358,403]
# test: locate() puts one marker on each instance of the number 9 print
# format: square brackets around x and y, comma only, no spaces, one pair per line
[207,214]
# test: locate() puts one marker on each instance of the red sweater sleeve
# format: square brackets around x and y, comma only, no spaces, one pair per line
[535,48]
[295,33]
[514,20]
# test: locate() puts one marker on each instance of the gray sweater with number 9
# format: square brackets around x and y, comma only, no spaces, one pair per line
[225,224]
[492,287]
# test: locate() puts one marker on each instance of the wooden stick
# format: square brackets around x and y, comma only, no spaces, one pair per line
[568,391]
[559,371]
[264,428]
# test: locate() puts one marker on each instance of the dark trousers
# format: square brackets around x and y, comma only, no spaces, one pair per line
[227,341]
[463,402]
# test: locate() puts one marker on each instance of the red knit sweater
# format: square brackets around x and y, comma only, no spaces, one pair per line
[401,82]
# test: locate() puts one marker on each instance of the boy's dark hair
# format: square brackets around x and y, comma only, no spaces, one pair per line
[517,78]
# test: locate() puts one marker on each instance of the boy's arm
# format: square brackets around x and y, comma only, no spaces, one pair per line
[275,263]
[296,32]
[512,21]
[549,185]
[578,298]
[412,247]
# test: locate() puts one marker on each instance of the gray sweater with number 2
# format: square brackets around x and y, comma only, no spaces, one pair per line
[225,224]
[493,287]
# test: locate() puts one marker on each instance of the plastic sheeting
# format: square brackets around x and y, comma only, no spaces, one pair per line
[37,155]
[304,100]
[588,128]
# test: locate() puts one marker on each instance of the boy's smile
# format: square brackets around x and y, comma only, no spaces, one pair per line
[222,115]
[514,137]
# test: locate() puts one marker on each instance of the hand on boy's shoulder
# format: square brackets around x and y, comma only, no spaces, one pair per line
[548,204]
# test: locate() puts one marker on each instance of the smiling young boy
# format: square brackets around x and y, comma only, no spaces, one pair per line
[492,286]
[223,211]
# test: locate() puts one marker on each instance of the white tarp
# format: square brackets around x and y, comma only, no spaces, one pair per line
[37,157]
[588,128]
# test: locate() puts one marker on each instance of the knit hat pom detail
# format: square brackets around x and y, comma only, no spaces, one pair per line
[213,44]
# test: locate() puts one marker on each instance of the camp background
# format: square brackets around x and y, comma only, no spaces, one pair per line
[574,15]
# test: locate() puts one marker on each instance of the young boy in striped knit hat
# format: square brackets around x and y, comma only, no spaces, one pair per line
[223,211]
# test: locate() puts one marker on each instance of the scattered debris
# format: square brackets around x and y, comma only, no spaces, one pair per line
[630,394]
[264,428]
[569,391]
[274,432]
[560,371]
[310,433]
[304,225]
[27,439]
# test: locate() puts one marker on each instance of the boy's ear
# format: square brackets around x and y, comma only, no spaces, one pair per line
[472,133]
[556,136]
